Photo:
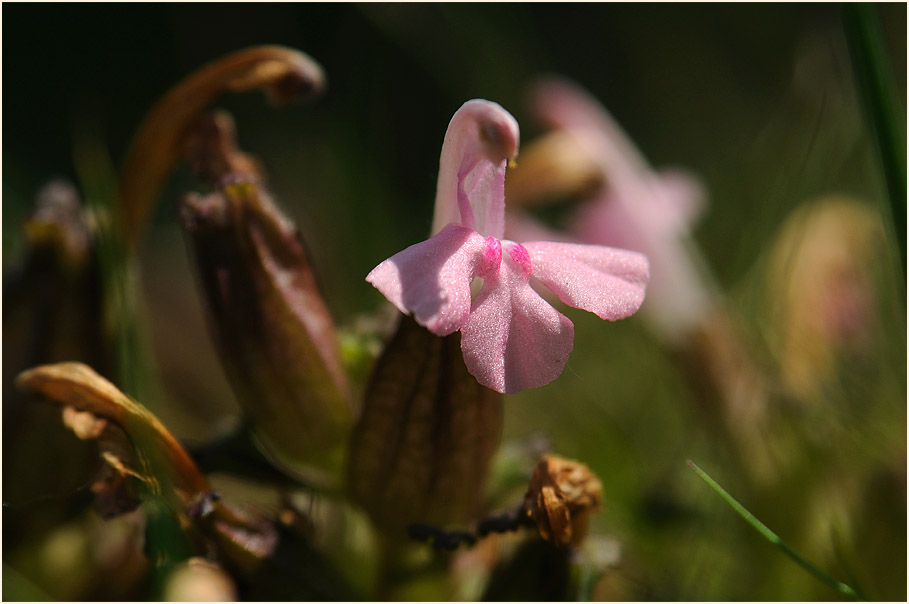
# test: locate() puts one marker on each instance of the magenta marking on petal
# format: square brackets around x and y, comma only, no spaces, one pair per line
[520,257]
[492,258]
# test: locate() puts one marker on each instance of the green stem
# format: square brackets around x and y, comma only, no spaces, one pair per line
[874,79]
[773,537]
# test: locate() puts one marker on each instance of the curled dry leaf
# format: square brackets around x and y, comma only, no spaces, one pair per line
[422,447]
[285,74]
[561,496]
[163,461]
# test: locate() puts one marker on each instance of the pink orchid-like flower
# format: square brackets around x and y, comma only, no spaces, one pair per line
[637,208]
[511,338]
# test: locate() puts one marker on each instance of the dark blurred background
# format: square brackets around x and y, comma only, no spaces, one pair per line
[758,100]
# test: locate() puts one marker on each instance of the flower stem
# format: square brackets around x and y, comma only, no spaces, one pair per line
[773,537]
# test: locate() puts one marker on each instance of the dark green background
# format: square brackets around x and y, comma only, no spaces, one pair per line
[756,99]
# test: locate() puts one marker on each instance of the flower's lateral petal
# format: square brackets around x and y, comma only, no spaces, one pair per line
[431,279]
[608,282]
[514,339]
[481,138]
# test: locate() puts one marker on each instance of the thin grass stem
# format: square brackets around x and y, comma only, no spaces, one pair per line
[772,537]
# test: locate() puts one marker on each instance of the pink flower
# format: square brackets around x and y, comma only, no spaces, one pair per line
[511,338]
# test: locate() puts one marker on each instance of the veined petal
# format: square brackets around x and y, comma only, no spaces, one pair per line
[514,339]
[481,138]
[608,282]
[431,279]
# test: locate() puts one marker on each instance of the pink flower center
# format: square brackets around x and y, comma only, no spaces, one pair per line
[520,257]
[492,258]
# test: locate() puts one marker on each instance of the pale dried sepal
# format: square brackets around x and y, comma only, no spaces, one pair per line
[561,496]
[285,74]
[85,425]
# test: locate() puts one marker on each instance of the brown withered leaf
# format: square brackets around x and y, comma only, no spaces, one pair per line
[275,336]
[162,461]
[561,496]
[142,457]
[422,447]
[285,74]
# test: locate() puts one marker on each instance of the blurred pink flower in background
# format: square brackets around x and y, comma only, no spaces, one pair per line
[511,338]
[632,207]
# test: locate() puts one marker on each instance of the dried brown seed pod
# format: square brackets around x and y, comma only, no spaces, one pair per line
[274,333]
[422,447]
[561,496]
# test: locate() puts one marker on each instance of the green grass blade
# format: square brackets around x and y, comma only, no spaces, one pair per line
[772,537]
[874,79]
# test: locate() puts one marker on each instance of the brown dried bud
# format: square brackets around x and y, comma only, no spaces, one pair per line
[421,450]
[52,305]
[561,496]
[60,224]
[274,333]
[285,75]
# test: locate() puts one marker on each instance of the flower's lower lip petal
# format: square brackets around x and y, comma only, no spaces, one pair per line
[514,339]
[608,282]
[431,279]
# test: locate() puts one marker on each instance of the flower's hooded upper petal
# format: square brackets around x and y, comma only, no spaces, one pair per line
[431,279]
[608,282]
[514,339]
[480,140]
